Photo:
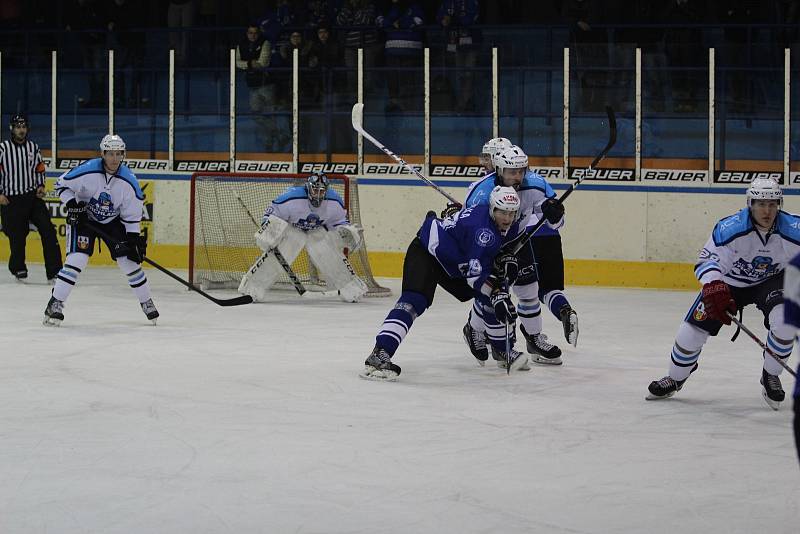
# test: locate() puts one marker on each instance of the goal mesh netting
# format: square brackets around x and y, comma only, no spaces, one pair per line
[225,212]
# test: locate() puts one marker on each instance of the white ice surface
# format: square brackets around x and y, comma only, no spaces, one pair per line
[253,419]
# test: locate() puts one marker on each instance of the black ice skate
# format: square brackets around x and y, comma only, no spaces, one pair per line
[476,341]
[150,310]
[569,319]
[541,351]
[772,390]
[54,312]
[519,361]
[666,387]
[20,275]
[379,366]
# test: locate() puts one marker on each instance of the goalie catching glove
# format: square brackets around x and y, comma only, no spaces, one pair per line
[718,301]
[351,236]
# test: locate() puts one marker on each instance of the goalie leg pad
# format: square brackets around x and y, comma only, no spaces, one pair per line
[270,234]
[266,269]
[322,247]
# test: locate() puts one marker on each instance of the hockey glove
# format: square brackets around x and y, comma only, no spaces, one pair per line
[503,307]
[717,301]
[553,210]
[351,236]
[76,212]
[506,267]
[450,209]
[134,247]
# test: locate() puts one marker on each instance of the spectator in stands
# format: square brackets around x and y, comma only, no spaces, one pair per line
[319,13]
[323,57]
[590,47]
[357,19]
[180,14]
[457,18]
[253,57]
[402,25]
[297,41]
[81,16]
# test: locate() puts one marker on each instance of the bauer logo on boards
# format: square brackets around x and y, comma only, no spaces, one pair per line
[202,166]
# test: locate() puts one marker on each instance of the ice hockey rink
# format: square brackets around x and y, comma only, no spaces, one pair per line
[254,419]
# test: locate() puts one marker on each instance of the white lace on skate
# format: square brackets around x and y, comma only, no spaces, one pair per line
[379,367]
[542,348]
[477,344]
[663,388]
[150,310]
[519,361]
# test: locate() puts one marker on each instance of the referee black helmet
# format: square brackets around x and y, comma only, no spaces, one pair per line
[19,119]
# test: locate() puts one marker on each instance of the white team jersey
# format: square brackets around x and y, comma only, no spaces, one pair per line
[294,207]
[742,256]
[107,196]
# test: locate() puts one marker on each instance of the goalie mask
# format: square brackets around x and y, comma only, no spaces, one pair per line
[317,188]
[504,205]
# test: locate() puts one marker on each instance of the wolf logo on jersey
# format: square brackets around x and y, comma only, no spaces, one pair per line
[102,207]
[760,268]
[311,222]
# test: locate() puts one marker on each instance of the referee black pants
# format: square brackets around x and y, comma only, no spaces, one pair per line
[21,210]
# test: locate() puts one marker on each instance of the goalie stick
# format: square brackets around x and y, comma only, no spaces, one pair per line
[357,118]
[298,285]
[761,344]
[525,236]
[236,301]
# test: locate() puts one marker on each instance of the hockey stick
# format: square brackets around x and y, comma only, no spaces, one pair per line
[524,237]
[236,301]
[298,285]
[357,117]
[761,344]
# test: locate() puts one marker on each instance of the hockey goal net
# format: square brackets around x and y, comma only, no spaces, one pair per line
[225,212]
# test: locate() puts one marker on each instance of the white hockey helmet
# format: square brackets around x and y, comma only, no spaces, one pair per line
[504,199]
[495,145]
[764,189]
[112,142]
[512,157]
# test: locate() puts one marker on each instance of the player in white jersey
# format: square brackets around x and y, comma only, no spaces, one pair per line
[102,193]
[490,149]
[537,200]
[310,216]
[742,263]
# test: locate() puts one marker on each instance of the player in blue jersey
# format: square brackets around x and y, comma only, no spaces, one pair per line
[742,263]
[457,253]
[537,200]
[311,216]
[103,193]
[791,314]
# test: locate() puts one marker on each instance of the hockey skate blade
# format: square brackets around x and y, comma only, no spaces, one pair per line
[378,375]
[536,358]
[49,321]
[650,396]
[775,405]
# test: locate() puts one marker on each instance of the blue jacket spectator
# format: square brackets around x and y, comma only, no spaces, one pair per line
[402,25]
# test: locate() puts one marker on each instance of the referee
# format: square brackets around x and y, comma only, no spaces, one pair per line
[21,192]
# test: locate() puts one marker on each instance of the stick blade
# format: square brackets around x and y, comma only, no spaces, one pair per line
[236,301]
[357,116]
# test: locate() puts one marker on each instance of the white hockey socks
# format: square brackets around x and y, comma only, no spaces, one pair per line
[67,277]
[688,343]
[780,340]
[529,308]
[136,278]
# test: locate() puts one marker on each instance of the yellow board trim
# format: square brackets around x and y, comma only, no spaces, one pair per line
[606,273]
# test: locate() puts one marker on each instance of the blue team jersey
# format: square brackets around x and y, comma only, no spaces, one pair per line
[466,243]
[791,303]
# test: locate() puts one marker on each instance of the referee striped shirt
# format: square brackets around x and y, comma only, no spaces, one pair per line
[21,167]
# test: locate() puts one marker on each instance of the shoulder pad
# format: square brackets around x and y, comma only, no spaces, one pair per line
[93,165]
[293,193]
[125,173]
[733,226]
[534,180]
[788,226]
[480,193]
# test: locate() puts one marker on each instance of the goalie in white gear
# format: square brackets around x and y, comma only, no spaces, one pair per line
[311,216]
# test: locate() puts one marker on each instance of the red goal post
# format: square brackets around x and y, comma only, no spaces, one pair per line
[225,210]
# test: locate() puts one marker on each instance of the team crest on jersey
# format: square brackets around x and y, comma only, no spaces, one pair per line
[309,223]
[470,269]
[102,207]
[83,242]
[700,312]
[759,268]
[485,238]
